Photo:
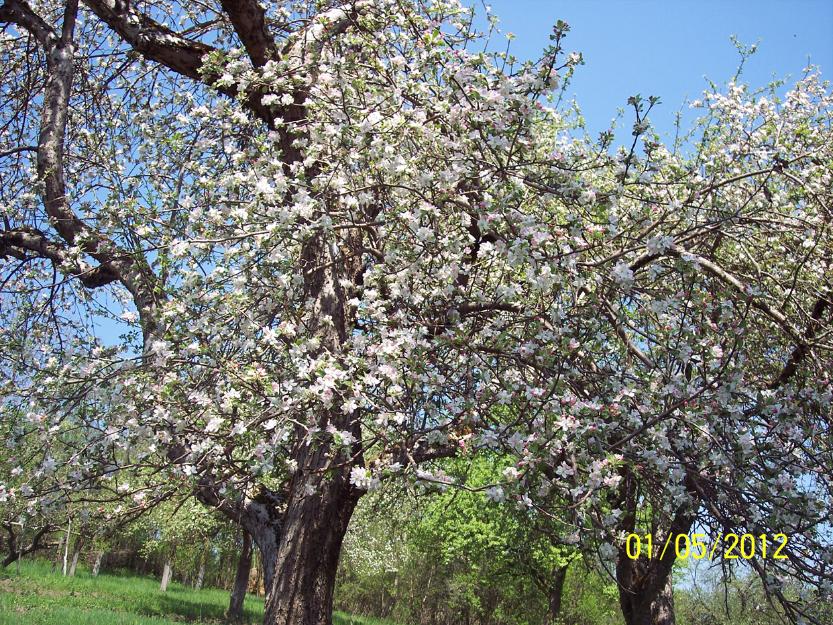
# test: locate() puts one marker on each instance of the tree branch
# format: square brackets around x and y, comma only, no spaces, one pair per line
[309,43]
[152,40]
[20,13]
[609,313]
[803,347]
[249,21]
[725,277]
[156,42]
[60,52]
[15,552]
[18,150]
[16,243]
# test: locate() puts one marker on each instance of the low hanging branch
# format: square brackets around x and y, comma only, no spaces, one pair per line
[16,551]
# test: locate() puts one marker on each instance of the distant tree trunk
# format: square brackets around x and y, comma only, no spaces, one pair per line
[258,572]
[99,556]
[556,591]
[167,571]
[426,593]
[394,595]
[76,553]
[241,579]
[66,547]
[200,573]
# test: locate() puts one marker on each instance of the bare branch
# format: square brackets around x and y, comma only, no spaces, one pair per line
[50,165]
[18,150]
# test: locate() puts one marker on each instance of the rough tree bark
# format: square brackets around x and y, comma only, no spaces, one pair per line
[299,557]
[241,579]
[646,597]
[263,524]
[646,594]
[314,528]
[321,498]
[260,516]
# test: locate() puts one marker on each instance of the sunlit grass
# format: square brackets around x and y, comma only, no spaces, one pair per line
[37,596]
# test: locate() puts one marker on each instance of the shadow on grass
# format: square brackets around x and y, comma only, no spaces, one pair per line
[188,606]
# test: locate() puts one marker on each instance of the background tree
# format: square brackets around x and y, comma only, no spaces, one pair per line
[453,557]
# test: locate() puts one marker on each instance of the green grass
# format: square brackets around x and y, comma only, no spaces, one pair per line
[37,596]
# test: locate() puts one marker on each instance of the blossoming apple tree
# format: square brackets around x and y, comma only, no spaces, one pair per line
[333,242]
[705,376]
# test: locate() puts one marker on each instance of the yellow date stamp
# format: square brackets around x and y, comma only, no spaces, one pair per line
[729,546]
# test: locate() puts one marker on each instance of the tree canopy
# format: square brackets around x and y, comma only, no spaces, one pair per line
[340,241]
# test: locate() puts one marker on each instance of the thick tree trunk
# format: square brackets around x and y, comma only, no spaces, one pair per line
[260,516]
[99,556]
[556,591]
[646,593]
[647,600]
[321,499]
[167,571]
[662,607]
[317,516]
[241,579]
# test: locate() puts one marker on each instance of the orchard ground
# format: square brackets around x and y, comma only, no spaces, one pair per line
[37,596]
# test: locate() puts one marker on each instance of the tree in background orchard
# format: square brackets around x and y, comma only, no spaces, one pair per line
[27,525]
[179,534]
[337,236]
[498,550]
[451,555]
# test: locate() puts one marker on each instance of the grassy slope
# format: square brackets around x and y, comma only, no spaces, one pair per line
[39,597]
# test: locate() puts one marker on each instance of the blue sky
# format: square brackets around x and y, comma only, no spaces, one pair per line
[667,48]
